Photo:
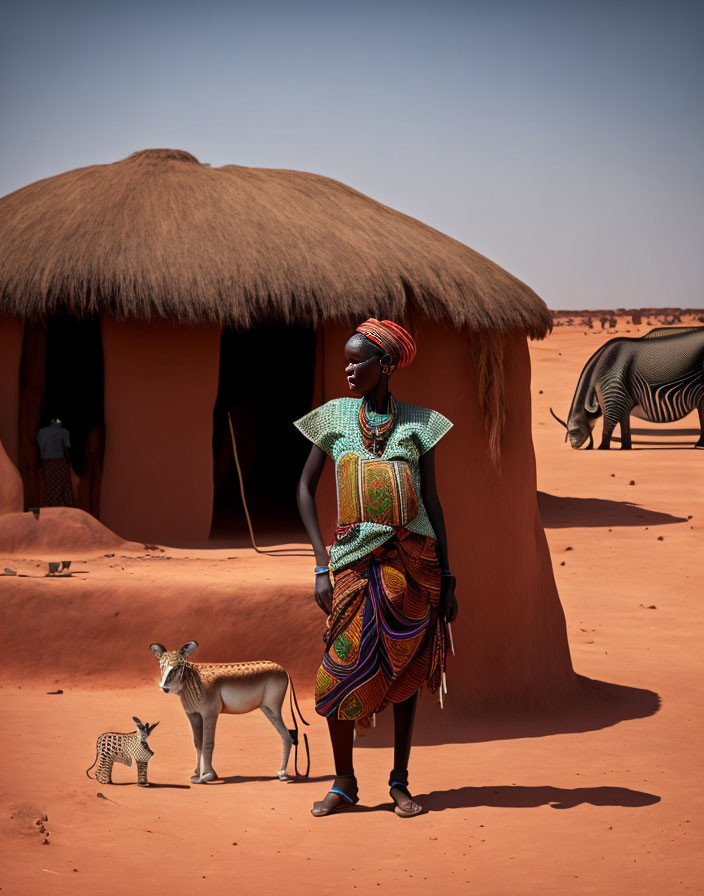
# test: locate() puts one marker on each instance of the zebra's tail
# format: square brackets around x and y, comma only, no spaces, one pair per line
[94,761]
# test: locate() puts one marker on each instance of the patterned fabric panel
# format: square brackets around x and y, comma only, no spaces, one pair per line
[375,491]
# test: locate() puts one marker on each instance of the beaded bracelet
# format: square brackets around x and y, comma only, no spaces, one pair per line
[321,569]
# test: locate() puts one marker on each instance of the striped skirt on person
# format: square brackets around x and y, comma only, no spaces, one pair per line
[385,638]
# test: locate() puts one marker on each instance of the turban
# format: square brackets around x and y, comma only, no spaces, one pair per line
[396,342]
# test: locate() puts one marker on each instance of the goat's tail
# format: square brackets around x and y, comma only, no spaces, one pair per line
[292,698]
[94,761]
[294,731]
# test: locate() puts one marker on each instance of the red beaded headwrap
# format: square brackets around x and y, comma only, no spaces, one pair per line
[396,342]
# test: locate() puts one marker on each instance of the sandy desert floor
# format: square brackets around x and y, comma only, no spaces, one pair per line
[559,807]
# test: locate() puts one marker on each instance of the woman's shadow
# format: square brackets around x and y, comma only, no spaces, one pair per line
[512,796]
[516,797]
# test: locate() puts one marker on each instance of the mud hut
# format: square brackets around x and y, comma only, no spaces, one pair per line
[145,299]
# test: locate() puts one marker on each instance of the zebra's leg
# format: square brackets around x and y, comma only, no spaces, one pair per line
[207,772]
[626,430]
[607,432]
[142,774]
[274,716]
[613,398]
[700,410]
[196,720]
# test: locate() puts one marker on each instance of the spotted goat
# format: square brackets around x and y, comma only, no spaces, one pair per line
[114,746]
[208,689]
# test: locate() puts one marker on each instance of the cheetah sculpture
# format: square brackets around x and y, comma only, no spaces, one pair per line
[113,746]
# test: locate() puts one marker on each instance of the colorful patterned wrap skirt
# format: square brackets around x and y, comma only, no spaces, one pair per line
[385,638]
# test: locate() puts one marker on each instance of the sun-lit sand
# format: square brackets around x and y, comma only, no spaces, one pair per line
[602,802]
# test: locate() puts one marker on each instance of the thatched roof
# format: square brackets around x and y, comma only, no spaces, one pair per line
[160,234]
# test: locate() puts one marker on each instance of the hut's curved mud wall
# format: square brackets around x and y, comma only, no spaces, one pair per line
[510,635]
[11,491]
[161,380]
[11,330]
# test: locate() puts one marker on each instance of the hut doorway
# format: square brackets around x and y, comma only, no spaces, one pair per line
[265,382]
[61,375]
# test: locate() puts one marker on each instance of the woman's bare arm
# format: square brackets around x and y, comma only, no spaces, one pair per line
[432,504]
[305,497]
[437,520]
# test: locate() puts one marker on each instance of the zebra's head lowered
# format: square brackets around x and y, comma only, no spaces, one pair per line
[579,428]
[172,665]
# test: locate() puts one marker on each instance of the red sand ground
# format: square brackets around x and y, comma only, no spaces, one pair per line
[603,802]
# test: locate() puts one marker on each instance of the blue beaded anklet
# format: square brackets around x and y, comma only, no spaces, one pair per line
[403,784]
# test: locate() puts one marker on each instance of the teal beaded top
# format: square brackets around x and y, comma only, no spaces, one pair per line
[334,427]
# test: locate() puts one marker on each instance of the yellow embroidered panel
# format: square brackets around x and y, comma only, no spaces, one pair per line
[375,491]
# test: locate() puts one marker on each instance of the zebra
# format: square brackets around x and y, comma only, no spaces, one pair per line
[114,746]
[208,689]
[657,377]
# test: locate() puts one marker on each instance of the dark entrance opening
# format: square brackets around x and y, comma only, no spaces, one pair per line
[61,375]
[266,382]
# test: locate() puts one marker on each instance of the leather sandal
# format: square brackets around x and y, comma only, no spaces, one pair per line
[349,801]
[404,813]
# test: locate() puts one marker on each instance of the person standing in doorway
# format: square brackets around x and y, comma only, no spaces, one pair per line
[54,449]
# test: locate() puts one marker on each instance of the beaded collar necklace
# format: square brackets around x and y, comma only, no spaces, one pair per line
[376,427]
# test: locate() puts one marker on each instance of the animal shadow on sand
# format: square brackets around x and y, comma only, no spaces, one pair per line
[659,438]
[248,779]
[153,785]
[559,512]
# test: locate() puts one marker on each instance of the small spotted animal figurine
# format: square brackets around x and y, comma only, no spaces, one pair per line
[209,689]
[112,746]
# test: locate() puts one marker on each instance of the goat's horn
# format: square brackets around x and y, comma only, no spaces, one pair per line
[557,418]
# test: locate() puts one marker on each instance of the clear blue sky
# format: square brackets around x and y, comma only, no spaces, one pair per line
[562,139]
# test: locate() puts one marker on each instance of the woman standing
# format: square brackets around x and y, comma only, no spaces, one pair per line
[393,590]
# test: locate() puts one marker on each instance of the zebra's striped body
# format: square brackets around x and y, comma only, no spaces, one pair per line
[114,746]
[657,377]
[665,402]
